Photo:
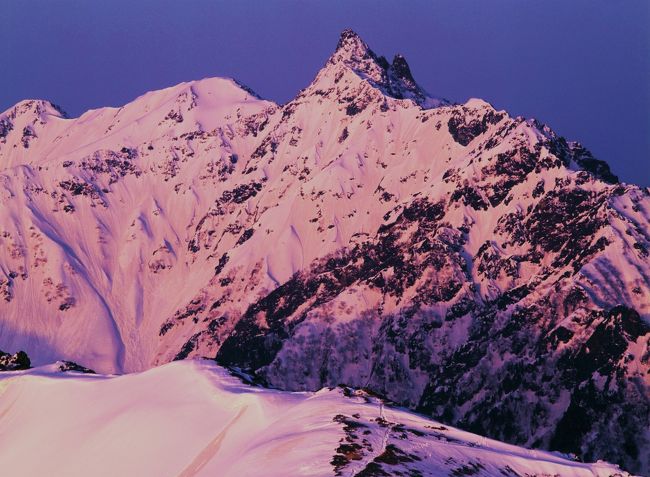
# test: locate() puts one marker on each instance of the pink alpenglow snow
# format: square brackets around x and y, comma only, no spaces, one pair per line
[191,418]
[465,264]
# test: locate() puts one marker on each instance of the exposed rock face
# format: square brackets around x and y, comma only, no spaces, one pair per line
[66,366]
[460,261]
[394,80]
[14,362]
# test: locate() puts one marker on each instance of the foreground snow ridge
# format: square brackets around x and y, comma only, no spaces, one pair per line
[192,418]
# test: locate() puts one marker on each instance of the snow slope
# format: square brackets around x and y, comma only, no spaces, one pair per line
[472,265]
[192,418]
[90,217]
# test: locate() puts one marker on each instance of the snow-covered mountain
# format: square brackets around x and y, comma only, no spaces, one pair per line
[61,424]
[462,262]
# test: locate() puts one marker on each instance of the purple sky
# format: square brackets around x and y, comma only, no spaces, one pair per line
[581,66]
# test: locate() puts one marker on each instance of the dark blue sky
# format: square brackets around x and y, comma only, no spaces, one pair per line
[581,66]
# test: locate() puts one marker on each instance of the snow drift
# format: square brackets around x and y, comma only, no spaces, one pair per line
[192,418]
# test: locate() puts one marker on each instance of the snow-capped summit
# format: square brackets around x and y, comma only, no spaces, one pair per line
[23,123]
[392,79]
[36,109]
[351,48]
[34,131]
[461,261]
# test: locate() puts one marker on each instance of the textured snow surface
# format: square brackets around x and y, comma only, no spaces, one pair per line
[192,418]
[469,264]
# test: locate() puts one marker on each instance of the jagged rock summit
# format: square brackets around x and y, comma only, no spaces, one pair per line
[469,264]
[394,80]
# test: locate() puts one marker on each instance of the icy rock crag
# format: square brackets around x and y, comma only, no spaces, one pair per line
[14,362]
[462,262]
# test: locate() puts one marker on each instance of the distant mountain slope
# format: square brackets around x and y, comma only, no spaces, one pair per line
[465,263]
[94,222]
[193,419]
